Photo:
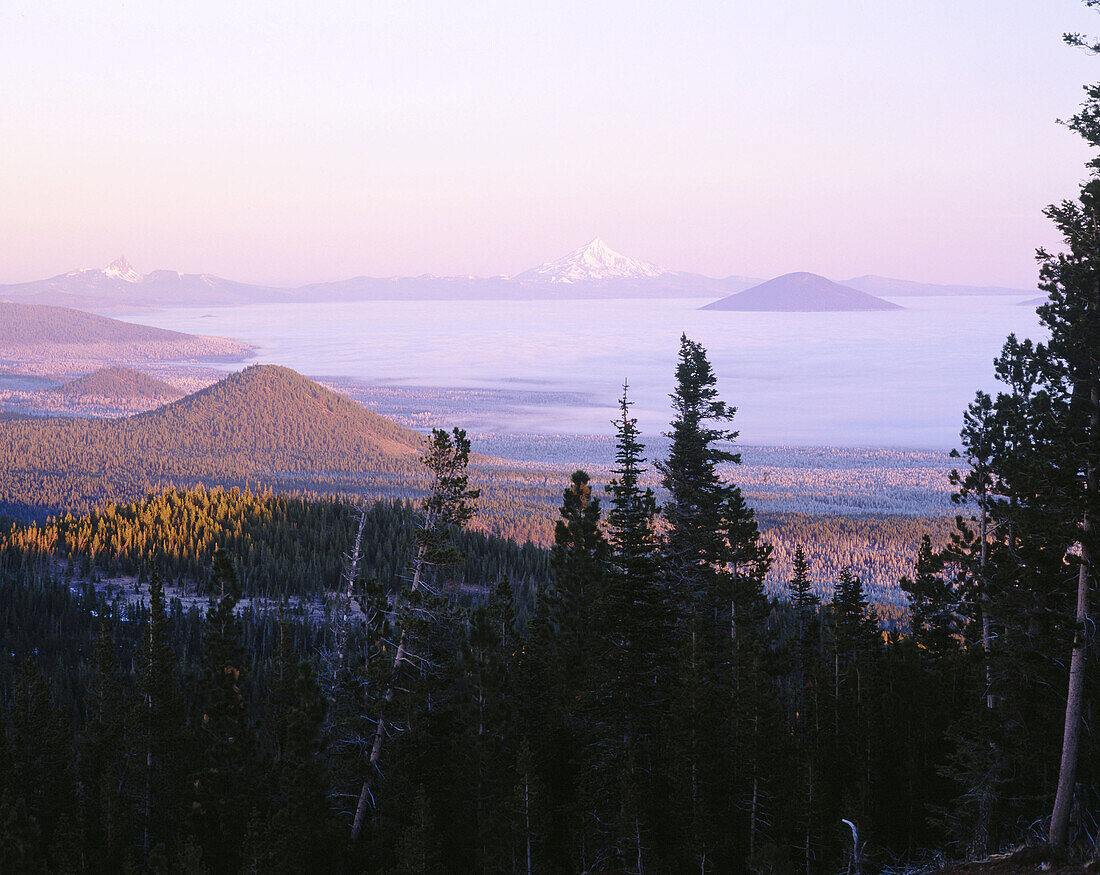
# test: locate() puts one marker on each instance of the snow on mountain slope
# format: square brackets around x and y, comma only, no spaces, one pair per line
[119,269]
[593,261]
[119,285]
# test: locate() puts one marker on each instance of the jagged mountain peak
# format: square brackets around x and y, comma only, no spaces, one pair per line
[123,270]
[593,261]
[119,269]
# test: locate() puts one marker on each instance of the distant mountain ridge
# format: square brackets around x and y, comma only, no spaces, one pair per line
[120,285]
[594,270]
[895,288]
[801,292]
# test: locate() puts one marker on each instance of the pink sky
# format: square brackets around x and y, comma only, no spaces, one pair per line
[284,142]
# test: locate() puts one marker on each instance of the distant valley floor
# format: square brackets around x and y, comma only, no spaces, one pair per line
[861,507]
[816,480]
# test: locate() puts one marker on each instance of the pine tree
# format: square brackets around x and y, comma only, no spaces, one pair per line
[710,529]
[713,560]
[979,761]
[493,715]
[159,719]
[1045,470]
[294,833]
[982,437]
[856,646]
[40,745]
[856,628]
[528,797]
[448,507]
[579,564]
[224,785]
[932,604]
[631,667]
[106,750]
[802,591]
[419,851]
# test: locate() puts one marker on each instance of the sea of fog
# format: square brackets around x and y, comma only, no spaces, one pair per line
[887,379]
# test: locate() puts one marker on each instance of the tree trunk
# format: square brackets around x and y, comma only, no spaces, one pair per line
[809,818]
[148,798]
[752,816]
[351,569]
[1071,736]
[855,867]
[380,725]
[148,758]
[983,601]
[527,819]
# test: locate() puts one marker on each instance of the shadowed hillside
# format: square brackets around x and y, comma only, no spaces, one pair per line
[26,324]
[37,339]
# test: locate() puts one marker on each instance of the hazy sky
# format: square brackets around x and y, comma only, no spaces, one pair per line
[291,141]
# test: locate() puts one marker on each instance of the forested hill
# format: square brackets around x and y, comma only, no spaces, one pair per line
[51,340]
[265,424]
[34,323]
[274,411]
[118,382]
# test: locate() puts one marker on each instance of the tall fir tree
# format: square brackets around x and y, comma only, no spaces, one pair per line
[224,784]
[448,507]
[1046,477]
[579,565]
[160,721]
[710,528]
[290,829]
[631,666]
[714,561]
[40,758]
[856,645]
[106,751]
[801,589]
[933,604]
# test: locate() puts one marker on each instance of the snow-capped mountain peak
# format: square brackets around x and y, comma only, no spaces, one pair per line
[121,269]
[593,261]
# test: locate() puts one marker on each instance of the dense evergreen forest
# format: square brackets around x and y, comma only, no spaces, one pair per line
[638,703]
[282,546]
[636,700]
